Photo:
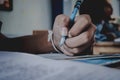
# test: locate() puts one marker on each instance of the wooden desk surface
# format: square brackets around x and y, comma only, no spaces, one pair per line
[106,47]
[107,44]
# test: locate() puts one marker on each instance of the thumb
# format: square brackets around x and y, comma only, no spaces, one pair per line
[64,34]
[64,31]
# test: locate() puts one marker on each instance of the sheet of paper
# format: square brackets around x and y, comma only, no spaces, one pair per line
[23,66]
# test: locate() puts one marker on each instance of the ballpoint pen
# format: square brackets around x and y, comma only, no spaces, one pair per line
[72,17]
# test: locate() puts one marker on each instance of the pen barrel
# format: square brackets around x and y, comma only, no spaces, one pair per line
[72,17]
[78,3]
[74,12]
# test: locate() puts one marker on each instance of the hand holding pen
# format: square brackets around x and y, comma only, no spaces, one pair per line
[72,17]
[82,34]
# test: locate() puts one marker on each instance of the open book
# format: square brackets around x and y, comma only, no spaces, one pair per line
[24,66]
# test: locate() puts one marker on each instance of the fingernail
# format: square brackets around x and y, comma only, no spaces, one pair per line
[64,31]
[69,35]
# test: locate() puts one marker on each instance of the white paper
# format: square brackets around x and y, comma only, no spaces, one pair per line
[23,66]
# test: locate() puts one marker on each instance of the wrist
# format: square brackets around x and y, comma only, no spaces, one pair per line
[50,39]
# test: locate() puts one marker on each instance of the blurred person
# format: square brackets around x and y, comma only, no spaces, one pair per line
[100,12]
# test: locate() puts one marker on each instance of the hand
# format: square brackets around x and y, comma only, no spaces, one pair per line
[80,36]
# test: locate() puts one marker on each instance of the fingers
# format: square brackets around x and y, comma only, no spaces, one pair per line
[81,23]
[76,50]
[66,51]
[82,31]
[82,38]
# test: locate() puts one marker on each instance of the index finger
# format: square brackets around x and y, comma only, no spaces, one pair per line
[81,39]
[81,23]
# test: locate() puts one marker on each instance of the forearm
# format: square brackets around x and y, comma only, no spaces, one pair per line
[32,44]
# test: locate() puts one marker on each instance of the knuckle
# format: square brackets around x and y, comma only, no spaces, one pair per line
[86,37]
[86,18]
[72,33]
[58,16]
[63,18]
[68,43]
[76,50]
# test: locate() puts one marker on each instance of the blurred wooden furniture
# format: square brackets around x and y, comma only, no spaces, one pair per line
[106,48]
[39,32]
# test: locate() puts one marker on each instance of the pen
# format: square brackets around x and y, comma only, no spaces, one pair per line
[72,17]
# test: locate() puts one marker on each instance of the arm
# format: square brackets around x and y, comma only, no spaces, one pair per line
[80,37]
[31,44]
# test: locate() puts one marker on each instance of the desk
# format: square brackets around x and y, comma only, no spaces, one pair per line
[106,47]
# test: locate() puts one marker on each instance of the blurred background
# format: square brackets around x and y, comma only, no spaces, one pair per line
[29,15]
